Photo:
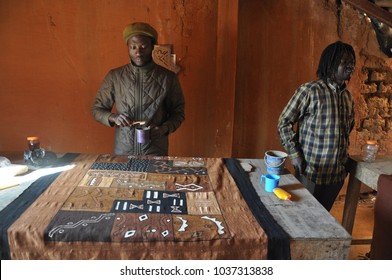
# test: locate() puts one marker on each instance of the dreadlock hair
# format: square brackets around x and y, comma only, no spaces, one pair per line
[331,57]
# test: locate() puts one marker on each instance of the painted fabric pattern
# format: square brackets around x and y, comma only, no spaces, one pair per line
[141,200]
[139,207]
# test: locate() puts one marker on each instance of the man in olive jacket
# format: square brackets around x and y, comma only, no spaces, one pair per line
[143,92]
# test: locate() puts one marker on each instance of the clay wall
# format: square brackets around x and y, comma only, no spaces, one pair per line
[280,43]
[240,61]
[55,54]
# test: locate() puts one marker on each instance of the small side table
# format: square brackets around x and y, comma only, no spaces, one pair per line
[366,173]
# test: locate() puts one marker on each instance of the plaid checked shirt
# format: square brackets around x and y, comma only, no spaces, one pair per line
[325,117]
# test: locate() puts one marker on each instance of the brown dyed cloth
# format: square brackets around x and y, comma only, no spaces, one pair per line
[381,247]
[118,207]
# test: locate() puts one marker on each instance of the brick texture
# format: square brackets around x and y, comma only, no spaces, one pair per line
[374,106]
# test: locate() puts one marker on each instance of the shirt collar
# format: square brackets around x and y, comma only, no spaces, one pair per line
[336,88]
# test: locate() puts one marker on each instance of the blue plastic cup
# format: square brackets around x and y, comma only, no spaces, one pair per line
[271,181]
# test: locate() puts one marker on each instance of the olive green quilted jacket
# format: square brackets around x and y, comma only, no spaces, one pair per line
[150,93]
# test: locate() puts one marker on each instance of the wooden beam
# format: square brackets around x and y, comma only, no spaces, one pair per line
[372,10]
[365,241]
[384,3]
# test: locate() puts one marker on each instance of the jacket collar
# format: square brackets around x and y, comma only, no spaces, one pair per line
[146,68]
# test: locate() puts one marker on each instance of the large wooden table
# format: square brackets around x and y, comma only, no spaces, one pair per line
[313,232]
[366,173]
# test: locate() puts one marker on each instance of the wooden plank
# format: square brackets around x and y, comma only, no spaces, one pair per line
[373,10]
[384,3]
[368,172]
[366,241]
[350,203]
[315,234]
[319,249]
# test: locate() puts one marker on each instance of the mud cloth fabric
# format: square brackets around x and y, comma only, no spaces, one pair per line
[128,207]
[12,212]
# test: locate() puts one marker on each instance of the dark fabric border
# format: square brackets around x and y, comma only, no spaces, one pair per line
[278,239]
[16,208]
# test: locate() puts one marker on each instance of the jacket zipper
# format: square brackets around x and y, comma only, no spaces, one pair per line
[138,108]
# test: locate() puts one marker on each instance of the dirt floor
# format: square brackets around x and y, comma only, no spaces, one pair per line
[363,223]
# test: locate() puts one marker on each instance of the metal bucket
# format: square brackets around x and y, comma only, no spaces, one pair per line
[275,160]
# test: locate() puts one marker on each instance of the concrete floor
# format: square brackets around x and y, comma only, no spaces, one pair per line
[363,223]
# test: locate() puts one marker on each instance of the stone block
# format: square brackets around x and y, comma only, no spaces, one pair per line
[374,125]
[361,109]
[378,106]
[368,88]
[378,76]
[388,142]
[385,88]
[388,126]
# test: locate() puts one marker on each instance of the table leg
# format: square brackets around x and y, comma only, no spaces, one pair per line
[351,202]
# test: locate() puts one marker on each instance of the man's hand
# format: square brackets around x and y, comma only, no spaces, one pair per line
[299,165]
[120,120]
[158,131]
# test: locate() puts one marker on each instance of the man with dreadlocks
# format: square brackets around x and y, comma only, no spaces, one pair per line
[315,125]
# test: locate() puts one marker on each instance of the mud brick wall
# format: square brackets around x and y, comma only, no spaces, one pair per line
[374,104]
